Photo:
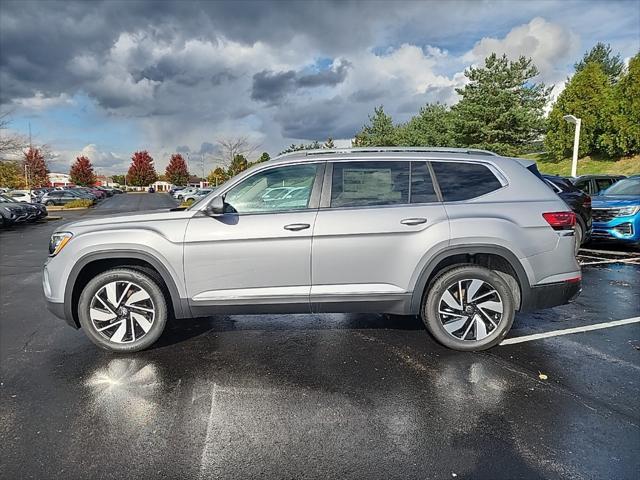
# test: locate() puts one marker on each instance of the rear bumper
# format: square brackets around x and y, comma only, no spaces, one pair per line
[550,295]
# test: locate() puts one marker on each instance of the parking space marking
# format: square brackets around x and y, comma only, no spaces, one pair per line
[610,252]
[568,331]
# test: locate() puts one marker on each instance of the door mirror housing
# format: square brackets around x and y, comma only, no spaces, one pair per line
[216,206]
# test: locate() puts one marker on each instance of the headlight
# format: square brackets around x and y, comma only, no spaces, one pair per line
[58,241]
[626,211]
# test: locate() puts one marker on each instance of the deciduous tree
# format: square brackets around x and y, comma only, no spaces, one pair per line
[176,172]
[264,157]
[238,165]
[589,96]
[11,175]
[82,173]
[502,107]
[217,176]
[35,165]
[142,171]
[329,143]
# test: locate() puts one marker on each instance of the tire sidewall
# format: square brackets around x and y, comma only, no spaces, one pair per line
[143,281]
[431,317]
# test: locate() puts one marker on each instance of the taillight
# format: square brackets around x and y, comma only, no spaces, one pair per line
[586,203]
[560,220]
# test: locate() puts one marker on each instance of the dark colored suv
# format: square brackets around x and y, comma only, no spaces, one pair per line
[580,203]
[594,184]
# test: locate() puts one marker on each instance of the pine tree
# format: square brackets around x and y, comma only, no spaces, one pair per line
[176,172]
[36,168]
[82,173]
[502,108]
[329,143]
[379,132]
[264,157]
[431,127]
[611,65]
[589,96]
[141,172]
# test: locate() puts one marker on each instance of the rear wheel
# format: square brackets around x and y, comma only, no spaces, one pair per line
[49,203]
[469,308]
[123,310]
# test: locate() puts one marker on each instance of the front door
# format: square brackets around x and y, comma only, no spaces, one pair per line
[372,235]
[257,256]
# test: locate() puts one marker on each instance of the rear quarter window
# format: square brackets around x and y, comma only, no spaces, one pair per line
[464,181]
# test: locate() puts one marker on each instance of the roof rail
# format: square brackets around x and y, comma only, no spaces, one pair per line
[332,151]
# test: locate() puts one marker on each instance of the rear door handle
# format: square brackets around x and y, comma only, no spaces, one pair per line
[297,226]
[413,221]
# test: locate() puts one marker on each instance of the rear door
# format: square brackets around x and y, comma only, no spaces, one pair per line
[377,221]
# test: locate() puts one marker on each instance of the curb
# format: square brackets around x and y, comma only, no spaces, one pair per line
[62,209]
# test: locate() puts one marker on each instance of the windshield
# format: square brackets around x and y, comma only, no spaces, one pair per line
[628,186]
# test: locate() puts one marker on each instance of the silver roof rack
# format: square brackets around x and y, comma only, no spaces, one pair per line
[333,151]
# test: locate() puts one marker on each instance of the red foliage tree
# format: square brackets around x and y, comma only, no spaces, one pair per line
[82,172]
[176,172]
[36,168]
[141,172]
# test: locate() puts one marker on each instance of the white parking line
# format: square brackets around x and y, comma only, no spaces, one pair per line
[567,331]
[610,252]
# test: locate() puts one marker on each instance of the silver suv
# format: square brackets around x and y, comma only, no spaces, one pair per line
[463,238]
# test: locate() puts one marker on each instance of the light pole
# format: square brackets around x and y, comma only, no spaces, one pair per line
[576,142]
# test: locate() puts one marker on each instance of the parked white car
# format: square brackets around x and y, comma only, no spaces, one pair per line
[181,194]
[194,197]
[21,196]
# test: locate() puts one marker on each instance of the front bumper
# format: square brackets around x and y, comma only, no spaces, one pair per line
[625,229]
[550,295]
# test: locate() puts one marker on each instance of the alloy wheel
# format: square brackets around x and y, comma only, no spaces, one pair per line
[122,311]
[470,309]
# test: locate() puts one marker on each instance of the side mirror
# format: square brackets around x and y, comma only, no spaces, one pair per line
[216,206]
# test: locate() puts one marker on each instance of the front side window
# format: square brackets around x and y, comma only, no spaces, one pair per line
[357,184]
[276,189]
[463,181]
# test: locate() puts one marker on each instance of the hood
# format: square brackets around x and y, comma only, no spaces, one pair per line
[134,219]
[14,206]
[613,201]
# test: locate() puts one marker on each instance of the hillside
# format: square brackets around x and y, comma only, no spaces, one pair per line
[587,165]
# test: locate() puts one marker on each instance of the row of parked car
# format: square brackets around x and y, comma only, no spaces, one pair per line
[20,206]
[189,194]
[607,207]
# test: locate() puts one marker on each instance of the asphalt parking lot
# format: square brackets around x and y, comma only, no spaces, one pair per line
[317,396]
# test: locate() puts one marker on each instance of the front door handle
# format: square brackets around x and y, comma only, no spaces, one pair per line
[297,226]
[413,221]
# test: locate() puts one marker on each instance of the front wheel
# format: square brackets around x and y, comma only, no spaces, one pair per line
[50,203]
[469,308]
[122,310]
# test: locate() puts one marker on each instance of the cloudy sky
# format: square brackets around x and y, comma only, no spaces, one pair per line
[108,78]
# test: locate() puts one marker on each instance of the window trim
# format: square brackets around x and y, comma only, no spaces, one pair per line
[327,183]
[314,198]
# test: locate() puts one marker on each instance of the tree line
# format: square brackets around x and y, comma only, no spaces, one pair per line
[502,109]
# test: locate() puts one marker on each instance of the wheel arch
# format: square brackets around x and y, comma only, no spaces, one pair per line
[93,263]
[494,257]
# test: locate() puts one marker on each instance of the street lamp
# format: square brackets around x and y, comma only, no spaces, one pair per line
[576,142]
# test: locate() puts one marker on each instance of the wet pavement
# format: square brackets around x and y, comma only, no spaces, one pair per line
[315,396]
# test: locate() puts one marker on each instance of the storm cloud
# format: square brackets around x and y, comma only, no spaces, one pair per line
[167,76]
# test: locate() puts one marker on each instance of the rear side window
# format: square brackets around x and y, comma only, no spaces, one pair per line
[357,184]
[463,181]
[603,184]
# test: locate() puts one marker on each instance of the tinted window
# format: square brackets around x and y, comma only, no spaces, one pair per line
[583,185]
[422,190]
[603,183]
[356,184]
[462,181]
[283,188]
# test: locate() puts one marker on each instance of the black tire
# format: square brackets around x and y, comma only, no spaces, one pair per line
[50,203]
[144,281]
[434,297]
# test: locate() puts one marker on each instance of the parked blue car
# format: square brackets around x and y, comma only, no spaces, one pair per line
[616,212]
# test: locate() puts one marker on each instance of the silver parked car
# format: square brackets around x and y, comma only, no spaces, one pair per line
[463,238]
